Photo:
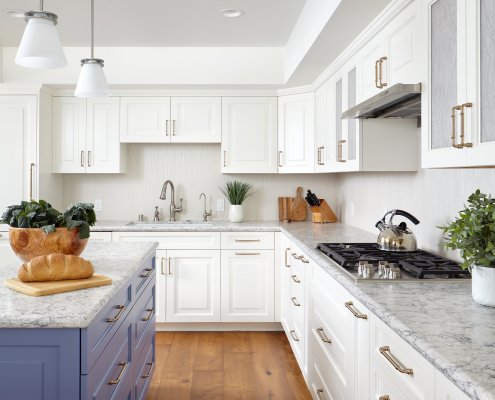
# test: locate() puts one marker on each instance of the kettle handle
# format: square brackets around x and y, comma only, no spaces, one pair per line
[405,214]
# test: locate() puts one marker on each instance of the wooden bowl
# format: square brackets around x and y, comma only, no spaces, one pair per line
[28,243]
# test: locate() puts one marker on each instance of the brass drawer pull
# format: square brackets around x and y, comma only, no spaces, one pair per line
[454,109]
[170,266]
[162,264]
[147,273]
[150,315]
[286,261]
[385,352]
[294,300]
[323,337]
[247,254]
[386,397]
[166,127]
[463,125]
[349,305]
[173,127]
[148,374]
[247,240]
[294,337]
[376,74]
[382,84]
[295,279]
[121,309]
[124,366]
[319,394]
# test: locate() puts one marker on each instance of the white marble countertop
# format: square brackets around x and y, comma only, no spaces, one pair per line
[439,319]
[78,308]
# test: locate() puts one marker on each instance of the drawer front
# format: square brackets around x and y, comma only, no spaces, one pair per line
[418,383]
[248,240]
[318,388]
[297,341]
[143,317]
[382,384]
[145,368]
[112,370]
[172,240]
[96,337]
[145,275]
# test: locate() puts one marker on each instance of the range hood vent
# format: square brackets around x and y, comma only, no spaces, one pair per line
[398,101]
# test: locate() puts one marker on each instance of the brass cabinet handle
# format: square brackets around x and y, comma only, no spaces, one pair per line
[170,266]
[322,162]
[382,84]
[319,394]
[453,116]
[294,255]
[82,158]
[340,152]
[89,158]
[386,397]
[286,261]
[304,260]
[385,352]
[124,366]
[322,335]
[376,74]
[295,278]
[294,336]
[225,158]
[31,167]
[319,155]
[166,127]
[248,254]
[350,306]
[280,158]
[148,374]
[147,273]
[247,240]
[294,300]
[121,309]
[162,264]
[150,315]
[173,127]
[463,125]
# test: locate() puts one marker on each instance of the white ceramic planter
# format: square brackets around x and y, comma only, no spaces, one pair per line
[235,213]
[483,281]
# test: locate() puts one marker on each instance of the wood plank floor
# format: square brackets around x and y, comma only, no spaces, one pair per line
[225,365]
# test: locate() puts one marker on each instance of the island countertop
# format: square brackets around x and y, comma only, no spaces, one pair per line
[76,309]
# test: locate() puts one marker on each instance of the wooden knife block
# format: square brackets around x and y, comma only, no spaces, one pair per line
[323,213]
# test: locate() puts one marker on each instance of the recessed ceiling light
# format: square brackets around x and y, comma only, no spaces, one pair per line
[231,13]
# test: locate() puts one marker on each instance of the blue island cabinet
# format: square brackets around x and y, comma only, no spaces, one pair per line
[113,358]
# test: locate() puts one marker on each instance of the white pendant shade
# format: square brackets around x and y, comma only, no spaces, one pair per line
[92,81]
[40,46]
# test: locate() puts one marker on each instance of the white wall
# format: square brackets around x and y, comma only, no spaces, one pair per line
[194,169]
[433,196]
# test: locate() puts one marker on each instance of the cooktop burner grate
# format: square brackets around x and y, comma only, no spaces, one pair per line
[420,263]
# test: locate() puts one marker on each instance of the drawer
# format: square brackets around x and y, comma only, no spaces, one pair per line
[248,240]
[417,376]
[113,369]
[173,240]
[143,319]
[145,275]
[145,368]
[96,337]
[382,385]
[297,341]
[318,388]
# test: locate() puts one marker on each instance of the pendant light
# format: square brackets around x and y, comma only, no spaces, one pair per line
[92,81]
[40,45]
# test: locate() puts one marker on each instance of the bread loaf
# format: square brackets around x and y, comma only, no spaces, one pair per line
[55,267]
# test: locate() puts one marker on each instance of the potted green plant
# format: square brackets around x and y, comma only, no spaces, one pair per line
[473,233]
[236,193]
[36,228]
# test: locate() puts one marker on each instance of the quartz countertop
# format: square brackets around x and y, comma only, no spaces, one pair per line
[76,309]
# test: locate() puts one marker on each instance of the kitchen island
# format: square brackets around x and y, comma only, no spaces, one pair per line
[96,342]
[438,319]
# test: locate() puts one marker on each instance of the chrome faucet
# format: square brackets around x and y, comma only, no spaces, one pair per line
[163,196]
[205,214]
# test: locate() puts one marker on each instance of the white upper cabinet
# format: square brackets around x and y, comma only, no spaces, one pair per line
[249,135]
[296,133]
[457,112]
[324,134]
[86,136]
[165,119]
[394,54]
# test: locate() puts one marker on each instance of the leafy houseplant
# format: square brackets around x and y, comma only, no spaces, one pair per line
[473,233]
[236,193]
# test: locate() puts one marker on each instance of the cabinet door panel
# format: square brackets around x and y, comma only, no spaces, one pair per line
[249,135]
[193,286]
[195,120]
[247,286]
[69,134]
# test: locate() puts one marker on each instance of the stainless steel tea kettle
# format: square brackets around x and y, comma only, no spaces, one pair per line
[396,237]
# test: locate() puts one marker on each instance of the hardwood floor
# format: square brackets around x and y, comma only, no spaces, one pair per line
[225,365]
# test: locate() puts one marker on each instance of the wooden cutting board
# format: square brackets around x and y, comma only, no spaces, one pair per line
[44,288]
[299,208]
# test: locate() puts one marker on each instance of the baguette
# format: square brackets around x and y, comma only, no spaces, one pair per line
[55,267]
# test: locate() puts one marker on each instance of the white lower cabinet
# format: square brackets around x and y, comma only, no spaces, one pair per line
[446,390]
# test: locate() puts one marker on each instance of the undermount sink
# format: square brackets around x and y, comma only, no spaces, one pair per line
[161,223]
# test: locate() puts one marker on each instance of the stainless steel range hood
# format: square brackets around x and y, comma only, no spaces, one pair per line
[398,101]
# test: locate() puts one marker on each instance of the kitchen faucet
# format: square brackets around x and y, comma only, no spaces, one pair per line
[163,196]
[205,214]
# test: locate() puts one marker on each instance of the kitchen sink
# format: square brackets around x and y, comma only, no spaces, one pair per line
[162,223]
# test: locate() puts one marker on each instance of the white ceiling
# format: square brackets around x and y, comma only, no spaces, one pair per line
[167,23]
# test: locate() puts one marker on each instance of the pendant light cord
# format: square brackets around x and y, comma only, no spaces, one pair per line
[92,27]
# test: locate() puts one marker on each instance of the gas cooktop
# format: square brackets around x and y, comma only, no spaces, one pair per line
[366,261]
